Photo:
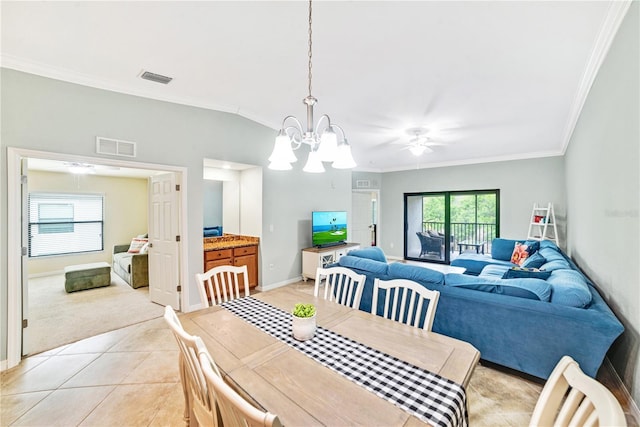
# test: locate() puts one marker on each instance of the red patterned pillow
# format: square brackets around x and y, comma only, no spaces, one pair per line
[136,245]
[519,254]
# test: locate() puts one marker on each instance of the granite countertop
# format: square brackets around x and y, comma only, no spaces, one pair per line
[229,241]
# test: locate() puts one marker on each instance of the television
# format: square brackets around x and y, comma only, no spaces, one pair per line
[328,228]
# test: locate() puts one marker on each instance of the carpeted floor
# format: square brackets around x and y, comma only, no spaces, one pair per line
[57,318]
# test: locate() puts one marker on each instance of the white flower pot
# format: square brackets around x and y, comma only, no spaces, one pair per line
[303,328]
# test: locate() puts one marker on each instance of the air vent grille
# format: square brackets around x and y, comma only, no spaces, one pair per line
[158,78]
[115,147]
[363,183]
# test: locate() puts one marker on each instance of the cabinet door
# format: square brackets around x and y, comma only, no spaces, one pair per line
[210,264]
[251,261]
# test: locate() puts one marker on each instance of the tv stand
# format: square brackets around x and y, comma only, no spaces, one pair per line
[315,257]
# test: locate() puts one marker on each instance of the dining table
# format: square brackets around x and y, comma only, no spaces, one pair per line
[358,369]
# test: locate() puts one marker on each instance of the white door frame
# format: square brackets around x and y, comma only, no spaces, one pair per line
[14,214]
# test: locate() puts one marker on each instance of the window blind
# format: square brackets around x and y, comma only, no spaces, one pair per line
[61,224]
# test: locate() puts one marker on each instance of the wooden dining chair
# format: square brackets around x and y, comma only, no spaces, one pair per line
[572,398]
[234,409]
[341,283]
[223,284]
[200,408]
[411,297]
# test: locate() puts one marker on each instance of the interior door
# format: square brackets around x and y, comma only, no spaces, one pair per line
[164,240]
[364,208]
[24,197]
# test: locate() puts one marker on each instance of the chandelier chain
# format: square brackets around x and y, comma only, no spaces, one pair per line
[310,47]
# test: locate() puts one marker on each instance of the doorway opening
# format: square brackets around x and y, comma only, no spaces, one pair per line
[365,207]
[18,270]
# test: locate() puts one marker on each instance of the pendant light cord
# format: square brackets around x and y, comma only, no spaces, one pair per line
[310,46]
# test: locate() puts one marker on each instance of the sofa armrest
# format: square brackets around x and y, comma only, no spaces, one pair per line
[120,248]
[139,270]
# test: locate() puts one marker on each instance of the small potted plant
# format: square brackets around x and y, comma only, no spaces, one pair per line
[303,324]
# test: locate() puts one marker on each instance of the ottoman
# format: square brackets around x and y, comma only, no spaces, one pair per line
[86,276]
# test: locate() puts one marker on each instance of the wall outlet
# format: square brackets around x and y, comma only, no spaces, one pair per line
[391,245]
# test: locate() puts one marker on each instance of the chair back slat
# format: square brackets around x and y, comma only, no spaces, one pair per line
[404,302]
[572,398]
[197,398]
[223,284]
[234,409]
[342,284]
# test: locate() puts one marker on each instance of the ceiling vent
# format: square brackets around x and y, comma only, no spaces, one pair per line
[115,147]
[158,78]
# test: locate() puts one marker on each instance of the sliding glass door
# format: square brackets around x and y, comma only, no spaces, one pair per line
[439,226]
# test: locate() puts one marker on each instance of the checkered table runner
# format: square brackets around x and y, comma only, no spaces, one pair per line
[430,397]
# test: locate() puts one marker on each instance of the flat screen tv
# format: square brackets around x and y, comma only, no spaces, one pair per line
[328,228]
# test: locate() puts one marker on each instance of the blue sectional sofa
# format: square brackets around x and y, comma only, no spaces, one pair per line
[526,324]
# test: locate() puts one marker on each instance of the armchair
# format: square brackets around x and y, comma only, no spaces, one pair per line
[431,242]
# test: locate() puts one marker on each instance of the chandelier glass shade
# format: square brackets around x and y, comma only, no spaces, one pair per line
[321,138]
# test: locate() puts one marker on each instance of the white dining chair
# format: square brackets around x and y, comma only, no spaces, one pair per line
[411,297]
[572,398]
[342,284]
[234,409]
[223,284]
[200,408]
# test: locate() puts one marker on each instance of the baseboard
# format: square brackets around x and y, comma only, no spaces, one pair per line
[633,406]
[48,273]
[269,287]
[394,258]
[3,365]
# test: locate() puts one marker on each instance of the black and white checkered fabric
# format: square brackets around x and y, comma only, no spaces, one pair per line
[429,397]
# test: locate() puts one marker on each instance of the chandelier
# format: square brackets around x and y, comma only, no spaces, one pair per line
[322,138]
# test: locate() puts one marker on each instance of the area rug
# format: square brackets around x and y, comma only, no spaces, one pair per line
[57,318]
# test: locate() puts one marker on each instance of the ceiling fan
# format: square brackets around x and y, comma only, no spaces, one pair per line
[419,142]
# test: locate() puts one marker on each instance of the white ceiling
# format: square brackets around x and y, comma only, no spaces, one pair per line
[492,80]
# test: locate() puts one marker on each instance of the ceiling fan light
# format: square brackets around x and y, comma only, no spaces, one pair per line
[417,150]
[314,164]
[344,159]
[328,145]
[282,151]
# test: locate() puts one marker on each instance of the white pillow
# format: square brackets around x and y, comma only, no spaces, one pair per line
[144,248]
[136,245]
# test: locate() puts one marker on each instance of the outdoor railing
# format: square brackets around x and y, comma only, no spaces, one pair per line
[465,231]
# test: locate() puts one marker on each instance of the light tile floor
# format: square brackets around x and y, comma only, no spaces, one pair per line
[129,377]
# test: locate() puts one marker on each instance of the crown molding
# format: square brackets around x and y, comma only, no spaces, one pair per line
[69,76]
[615,15]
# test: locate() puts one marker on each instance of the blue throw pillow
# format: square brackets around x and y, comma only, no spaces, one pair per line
[526,273]
[374,253]
[534,261]
[532,246]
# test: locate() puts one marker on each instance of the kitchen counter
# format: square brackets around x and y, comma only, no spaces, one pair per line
[229,241]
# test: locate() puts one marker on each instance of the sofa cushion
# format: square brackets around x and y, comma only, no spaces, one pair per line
[502,249]
[551,254]
[570,288]
[374,253]
[534,261]
[399,270]
[555,265]
[548,244]
[364,264]
[495,271]
[522,288]
[526,273]
[474,263]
